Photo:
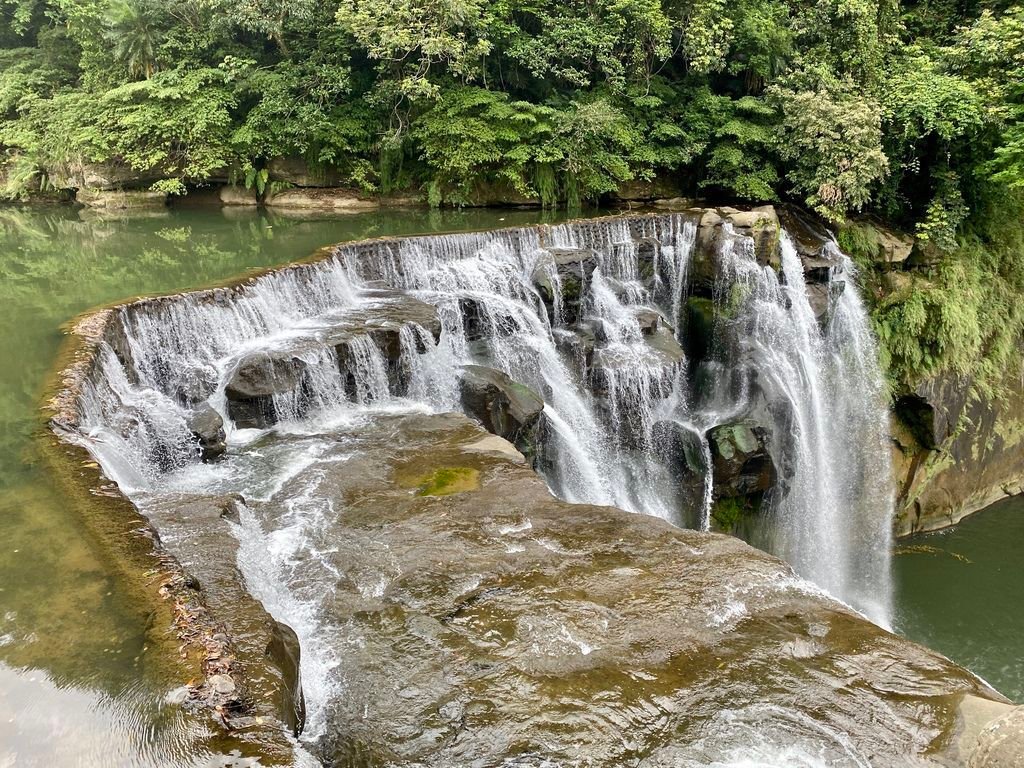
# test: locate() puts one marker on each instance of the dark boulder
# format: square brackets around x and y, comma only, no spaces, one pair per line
[703,273]
[648,249]
[207,427]
[650,320]
[681,448]
[562,278]
[284,652]
[822,296]
[504,407]
[251,388]
[578,343]
[263,374]
[476,324]
[742,464]
[822,267]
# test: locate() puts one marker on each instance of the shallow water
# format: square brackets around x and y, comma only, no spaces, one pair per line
[961,592]
[72,639]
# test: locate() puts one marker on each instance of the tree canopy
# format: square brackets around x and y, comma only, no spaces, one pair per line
[915,112]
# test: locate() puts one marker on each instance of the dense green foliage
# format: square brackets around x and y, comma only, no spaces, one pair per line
[843,105]
[911,112]
[960,313]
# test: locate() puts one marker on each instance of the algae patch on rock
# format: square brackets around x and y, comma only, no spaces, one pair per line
[449,480]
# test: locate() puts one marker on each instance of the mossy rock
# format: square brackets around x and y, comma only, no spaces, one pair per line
[700,326]
[731,513]
[449,480]
[735,438]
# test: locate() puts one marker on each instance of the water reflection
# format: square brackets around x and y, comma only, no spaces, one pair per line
[961,592]
[44,724]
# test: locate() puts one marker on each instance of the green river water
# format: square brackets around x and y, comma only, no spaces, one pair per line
[73,683]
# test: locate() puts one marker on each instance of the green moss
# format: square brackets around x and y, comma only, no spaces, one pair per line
[859,241]
[961,315]
[449,480]
[728,513]
[734,437]
[1010,430]
[735,301]
[572,289]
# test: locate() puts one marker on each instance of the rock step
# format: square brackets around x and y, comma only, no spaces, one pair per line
[283,368]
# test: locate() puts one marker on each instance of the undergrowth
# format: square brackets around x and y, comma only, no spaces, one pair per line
[960,316]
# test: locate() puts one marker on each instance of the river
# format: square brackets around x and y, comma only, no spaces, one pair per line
[72,638]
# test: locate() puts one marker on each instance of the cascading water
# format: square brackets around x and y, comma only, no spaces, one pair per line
[591,316]
[821,389]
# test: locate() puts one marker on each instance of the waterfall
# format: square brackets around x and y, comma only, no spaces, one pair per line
[822,390]
[592,317]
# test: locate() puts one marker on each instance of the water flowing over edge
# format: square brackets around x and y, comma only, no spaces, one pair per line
[564,311]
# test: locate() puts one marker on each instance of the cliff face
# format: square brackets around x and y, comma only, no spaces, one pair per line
[955,451]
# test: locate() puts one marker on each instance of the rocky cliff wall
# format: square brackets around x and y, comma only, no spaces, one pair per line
[956,451]
[957,447]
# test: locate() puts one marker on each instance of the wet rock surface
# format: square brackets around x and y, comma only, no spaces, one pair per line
[249,685]
[251,389]
[566,273]
[207,426]
[495,625]
[264,374]
[742,465]
[284,652]
[282,368]
[504,407]
[1001,743]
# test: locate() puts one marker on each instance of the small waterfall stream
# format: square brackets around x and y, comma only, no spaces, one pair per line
[592,316]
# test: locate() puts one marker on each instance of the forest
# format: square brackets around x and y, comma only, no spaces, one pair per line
[859,110]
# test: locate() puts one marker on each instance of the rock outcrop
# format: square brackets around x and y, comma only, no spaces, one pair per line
[207,427]
[257,379]
[955,451]
[742,465]
[504,407]
[262,375]
[562,280]
[252,665]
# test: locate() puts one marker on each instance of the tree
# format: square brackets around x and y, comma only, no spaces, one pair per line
[269,18]
[741,161]
[131,28]
[415,37]
[832,138]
